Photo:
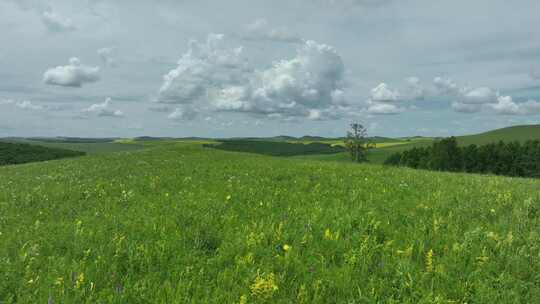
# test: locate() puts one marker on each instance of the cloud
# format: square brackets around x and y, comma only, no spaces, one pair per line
[466,108]
[382,93]
[445,86]
[204,67]
[103,110]
[56,23]
[72,75]
[506,106]
[378,108]
[260,30]
[30,106]
[481,95]
[381,99]
[415,87]
[469,99]
[183,113]
[106,55]
[312,80]
[212,76]
[27,105]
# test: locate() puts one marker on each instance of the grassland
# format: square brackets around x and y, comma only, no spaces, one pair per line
[516,133]
[177,223]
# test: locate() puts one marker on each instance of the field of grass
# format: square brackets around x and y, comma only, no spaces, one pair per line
[176,223]
[517,133]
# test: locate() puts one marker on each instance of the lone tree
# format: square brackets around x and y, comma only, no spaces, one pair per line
[357,143]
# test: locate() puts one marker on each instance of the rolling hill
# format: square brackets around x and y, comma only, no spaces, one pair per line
[515,133]
[176,223]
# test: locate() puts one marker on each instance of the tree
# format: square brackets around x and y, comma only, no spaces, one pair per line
[357,143]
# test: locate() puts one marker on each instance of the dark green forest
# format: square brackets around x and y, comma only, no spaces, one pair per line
[510,158]
[274,148]
[16,153]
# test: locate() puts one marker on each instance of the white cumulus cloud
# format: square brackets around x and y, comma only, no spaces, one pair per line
[379,108]
[445,86]
[56,23]
[72,75]
[103,110]
[183,113]
[481,95]
[213,76]
[382,93]
[507,106]
[28,105]
[415,87]
[204,68]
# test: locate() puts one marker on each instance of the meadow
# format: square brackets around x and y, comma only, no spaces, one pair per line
[179,223]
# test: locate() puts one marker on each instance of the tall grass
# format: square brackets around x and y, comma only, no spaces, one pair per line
[182,224]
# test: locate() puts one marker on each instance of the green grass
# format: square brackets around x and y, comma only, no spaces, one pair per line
[517,133]
[175,223]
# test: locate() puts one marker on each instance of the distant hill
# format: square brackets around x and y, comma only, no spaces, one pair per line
[276,148]
[17,153]
[515,133]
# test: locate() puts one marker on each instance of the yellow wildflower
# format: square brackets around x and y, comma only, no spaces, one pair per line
[429,261]
[264,286]
[80,280]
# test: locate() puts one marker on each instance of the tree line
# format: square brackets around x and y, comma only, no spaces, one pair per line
[16,153]
[510,159]
[276,148]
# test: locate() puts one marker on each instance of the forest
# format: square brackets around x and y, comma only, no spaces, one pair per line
[275,148]
[18,153]
[502,158]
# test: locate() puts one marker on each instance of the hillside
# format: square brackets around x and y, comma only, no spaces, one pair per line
[386,148]
[516,133]
[16,153]
[176,223]
[89,145]
[276,148]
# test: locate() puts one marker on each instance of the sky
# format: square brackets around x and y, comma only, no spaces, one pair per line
[103,68]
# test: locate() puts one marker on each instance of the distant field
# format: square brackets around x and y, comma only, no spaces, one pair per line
[377,155]
[19,153]
[275,148]
[384,149]
[177,223]
[87,147]
[517,133]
